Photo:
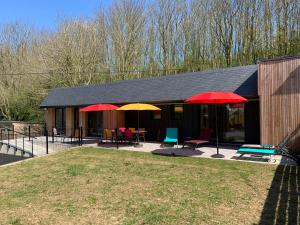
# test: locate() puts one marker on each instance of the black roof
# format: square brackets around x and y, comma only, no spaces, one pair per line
[241,80]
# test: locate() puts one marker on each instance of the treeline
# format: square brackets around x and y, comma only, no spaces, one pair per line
[133,39]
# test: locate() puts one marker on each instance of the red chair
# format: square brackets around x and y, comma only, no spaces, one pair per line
[122,129]
[205,135]
[128,135]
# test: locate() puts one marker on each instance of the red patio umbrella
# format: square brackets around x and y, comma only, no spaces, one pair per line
[98,107]
[216,98]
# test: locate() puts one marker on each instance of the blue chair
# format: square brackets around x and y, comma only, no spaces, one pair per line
[171,136]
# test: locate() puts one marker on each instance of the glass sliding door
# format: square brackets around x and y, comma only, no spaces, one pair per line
[204,117]
[95,123]
[76,117]
[233,123]
[60,120]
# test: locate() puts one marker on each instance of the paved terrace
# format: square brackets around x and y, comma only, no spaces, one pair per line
[229,152]
[36,145]
[205,151]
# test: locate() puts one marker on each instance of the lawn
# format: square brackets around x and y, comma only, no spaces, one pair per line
[98,186]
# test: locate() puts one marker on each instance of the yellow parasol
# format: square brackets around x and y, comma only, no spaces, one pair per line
[138,107]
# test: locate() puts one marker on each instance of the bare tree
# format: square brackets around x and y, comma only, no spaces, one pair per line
[137,38]
[126,27]
[74,53]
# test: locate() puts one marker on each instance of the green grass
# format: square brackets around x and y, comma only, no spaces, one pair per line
[88,186]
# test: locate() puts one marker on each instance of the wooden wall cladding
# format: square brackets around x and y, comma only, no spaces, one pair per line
[113,119]
[279,92]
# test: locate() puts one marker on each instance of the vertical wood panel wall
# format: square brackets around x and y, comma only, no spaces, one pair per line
[83,122]
[69,121]
[113,119]
[279,92]
[50,119]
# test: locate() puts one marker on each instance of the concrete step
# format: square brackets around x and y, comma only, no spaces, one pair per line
[11,149]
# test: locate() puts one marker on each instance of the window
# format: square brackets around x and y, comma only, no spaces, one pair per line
[204,117]
[95,121]
[60,120]
[234,125]
[176,112]
[156,115]
[76,117]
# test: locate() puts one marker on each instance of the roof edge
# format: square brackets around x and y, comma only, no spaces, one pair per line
[279,58]
[156,77]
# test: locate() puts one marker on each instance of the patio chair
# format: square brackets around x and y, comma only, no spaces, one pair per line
[56,135]
[280,149]
[171,136]
[142,134]
[76,135]
[119,136]
[131,129]
[204,138]
[108,134]
[266,149]
[128,135]
[122,129]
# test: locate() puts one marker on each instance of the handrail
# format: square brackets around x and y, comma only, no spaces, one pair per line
[14,134]
[17,132]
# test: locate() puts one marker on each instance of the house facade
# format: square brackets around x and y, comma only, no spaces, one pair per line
[272,88]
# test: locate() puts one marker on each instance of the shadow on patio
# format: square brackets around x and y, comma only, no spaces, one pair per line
[282,203]
[176,152]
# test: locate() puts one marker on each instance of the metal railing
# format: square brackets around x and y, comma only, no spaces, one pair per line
[32,140]
[66,135]
[12,139]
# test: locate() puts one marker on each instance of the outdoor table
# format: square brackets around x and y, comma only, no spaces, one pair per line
[138,132]
[117,138]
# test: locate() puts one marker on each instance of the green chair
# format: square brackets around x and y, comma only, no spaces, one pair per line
[171,136]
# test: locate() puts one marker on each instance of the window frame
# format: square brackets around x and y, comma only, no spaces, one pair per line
[174,113]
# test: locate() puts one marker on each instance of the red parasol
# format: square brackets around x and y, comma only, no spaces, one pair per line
[216,98]
[98,107]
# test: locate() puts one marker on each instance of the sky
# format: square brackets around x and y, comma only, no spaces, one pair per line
[45,14]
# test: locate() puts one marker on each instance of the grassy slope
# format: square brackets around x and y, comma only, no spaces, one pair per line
[100,186]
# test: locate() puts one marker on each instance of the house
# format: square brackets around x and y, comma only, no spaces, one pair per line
[273,111]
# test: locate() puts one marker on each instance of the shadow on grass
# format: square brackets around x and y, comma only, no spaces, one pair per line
[282,203]
[6,159]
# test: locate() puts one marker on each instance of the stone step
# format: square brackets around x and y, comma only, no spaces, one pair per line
[11,149]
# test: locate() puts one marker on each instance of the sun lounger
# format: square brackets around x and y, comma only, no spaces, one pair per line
[205,135]
[268,146]
[261,151]
[281,149]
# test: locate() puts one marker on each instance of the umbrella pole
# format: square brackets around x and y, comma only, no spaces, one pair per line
[138,133]
[218,155]
[217,136]
[138,145]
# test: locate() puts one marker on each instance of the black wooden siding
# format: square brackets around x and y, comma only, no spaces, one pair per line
[252,122]
[189,126]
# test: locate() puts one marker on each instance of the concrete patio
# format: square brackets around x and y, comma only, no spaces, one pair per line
[204,151]
[229,152]
[36,145]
